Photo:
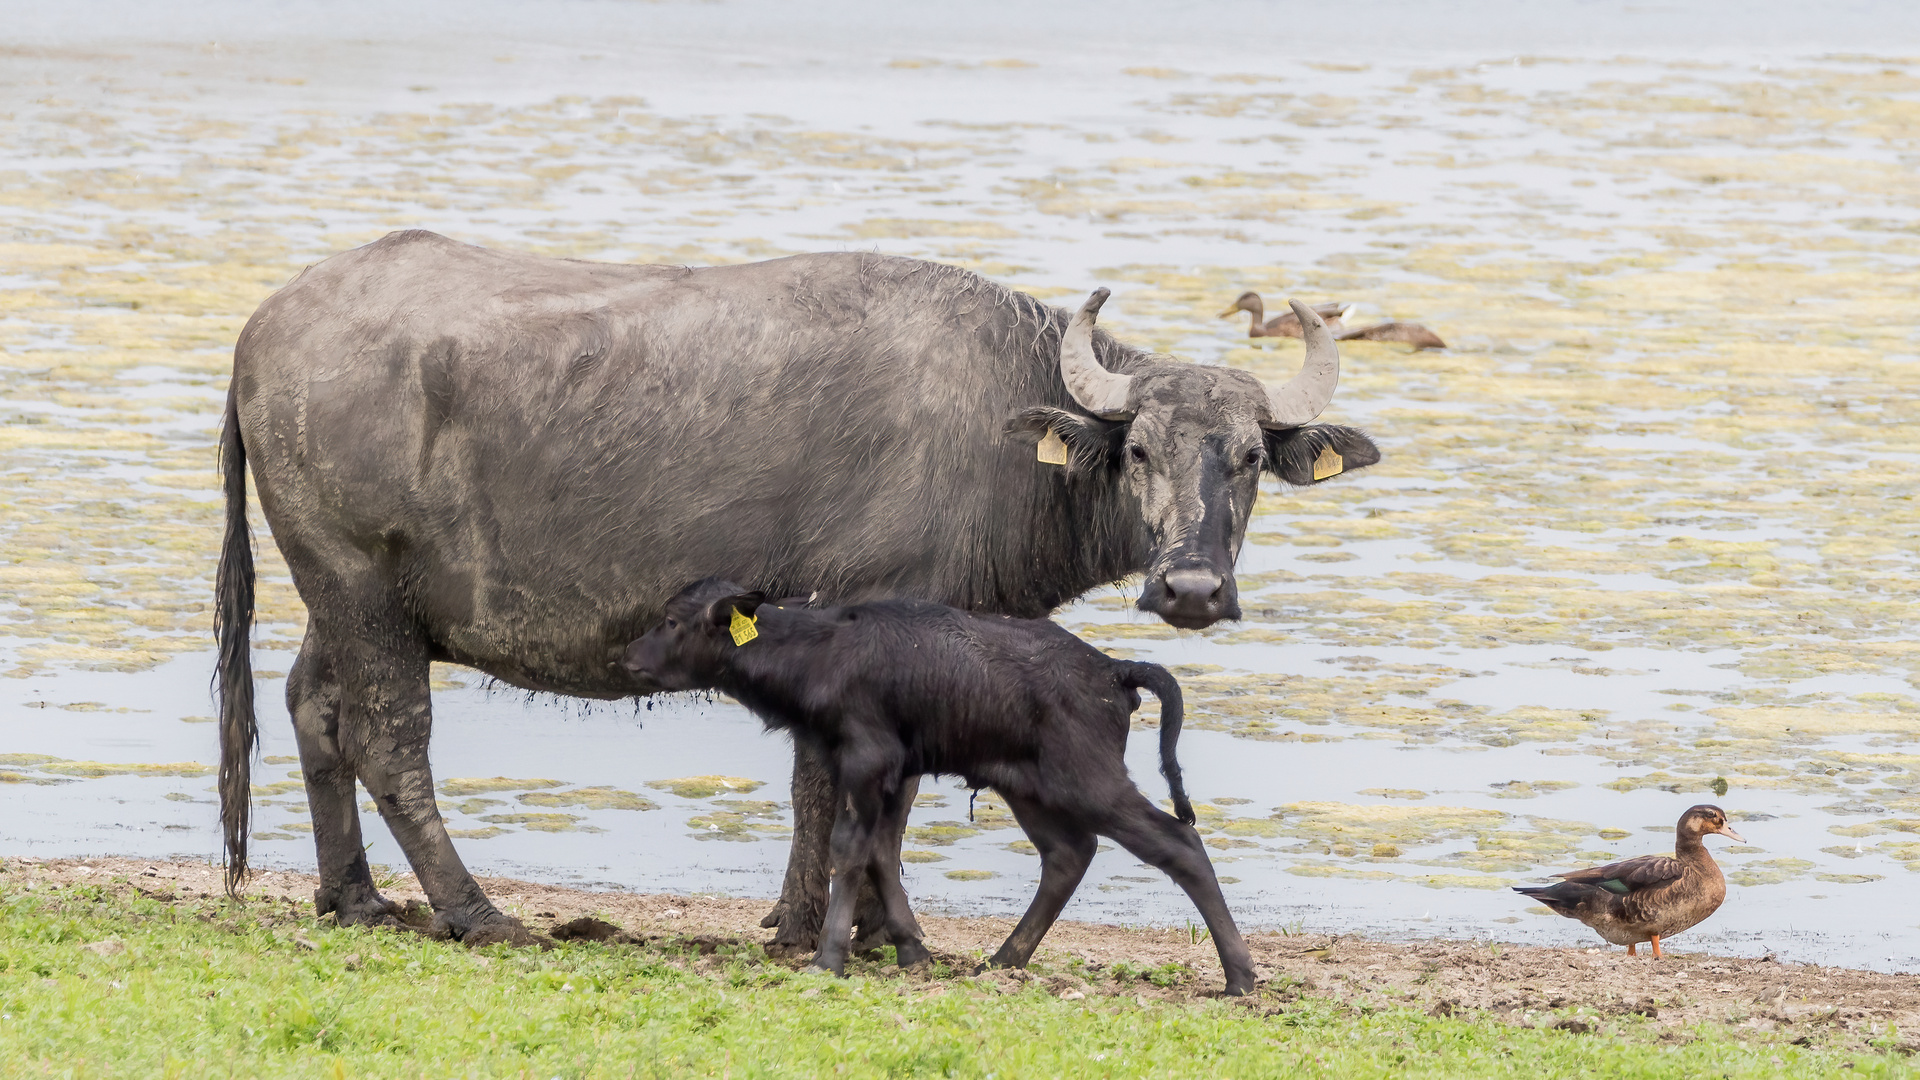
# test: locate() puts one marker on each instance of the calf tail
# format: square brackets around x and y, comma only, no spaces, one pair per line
[233,671]
[1165,687]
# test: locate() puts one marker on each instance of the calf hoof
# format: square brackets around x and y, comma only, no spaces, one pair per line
[910,953]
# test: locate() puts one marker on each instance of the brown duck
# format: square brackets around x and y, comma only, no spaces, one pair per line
[1285,324]
[1288,324]
[1651,896]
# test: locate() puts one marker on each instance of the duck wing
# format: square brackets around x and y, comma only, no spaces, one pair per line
[1628,875]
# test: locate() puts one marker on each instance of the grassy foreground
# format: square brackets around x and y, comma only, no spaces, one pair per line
[102,983]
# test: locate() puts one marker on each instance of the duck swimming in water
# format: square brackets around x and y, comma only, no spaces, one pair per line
[1647,897]
[1288,325]
[1285,324]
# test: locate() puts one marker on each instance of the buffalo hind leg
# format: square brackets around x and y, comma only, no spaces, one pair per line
[1065,852]
[389,717]
[1161,839]
[346,882]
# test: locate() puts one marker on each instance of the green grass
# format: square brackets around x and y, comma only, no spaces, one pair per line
[213,988]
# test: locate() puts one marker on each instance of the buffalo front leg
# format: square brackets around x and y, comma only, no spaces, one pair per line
[803,895]
[388,716]
[1158,838]
[346,882]
[1065,852]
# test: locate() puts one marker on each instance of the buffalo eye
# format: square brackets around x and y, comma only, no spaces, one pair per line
[1137,453]
[673,624]
[1252,458]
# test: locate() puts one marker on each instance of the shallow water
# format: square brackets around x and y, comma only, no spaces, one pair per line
[1648,525]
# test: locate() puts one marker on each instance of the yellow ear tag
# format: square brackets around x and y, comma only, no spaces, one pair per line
[743,628]
[1328,464]
[1052,449]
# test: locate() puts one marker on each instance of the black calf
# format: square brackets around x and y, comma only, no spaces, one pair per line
[887,692]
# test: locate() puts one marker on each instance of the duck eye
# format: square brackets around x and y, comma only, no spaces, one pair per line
[1138,453]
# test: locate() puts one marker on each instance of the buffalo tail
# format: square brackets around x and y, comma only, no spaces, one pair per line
[233,673]
[1165,687]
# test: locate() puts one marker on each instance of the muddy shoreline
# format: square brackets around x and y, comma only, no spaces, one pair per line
[1584,990]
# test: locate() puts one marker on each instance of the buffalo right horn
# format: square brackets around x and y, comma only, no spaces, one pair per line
[1097,390]
[1306,394]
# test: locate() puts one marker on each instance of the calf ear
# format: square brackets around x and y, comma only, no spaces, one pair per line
[720,612]
[1308,455]
[1092,443]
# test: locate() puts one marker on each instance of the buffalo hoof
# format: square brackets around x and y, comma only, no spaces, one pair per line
[792,939]
[1240,987]
[493,929]
[356,905]
[911,953]
[831,967]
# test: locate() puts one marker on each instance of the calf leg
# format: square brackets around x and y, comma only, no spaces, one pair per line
[883,869]
[797,915]
[346,882]
[1159,838]
[387,718]
[851,848]
[1065,852]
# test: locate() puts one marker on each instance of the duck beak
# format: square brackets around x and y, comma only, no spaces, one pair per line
[1230,312]
[1727,830]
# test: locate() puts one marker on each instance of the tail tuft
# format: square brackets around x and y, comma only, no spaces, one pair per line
[233,674]
[1165,687]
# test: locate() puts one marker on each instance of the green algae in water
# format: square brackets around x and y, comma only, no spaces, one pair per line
[478,786]
[592,798]
[705,787]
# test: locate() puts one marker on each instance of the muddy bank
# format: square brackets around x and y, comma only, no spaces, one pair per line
[1597,990]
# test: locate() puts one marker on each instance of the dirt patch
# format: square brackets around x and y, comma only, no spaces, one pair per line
[1577,990]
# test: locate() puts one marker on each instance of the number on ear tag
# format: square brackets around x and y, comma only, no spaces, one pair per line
[743,627]
[1328,464]
[1052,449]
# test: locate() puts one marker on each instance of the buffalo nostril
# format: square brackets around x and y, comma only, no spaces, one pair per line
[1191,584]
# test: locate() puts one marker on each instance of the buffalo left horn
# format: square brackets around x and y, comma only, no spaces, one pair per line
[1306,394]
[1097,390]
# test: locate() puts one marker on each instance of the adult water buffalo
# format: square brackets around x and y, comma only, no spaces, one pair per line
[512,462]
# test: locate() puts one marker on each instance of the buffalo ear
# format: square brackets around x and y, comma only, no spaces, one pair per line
[1092,443]
[1308,455]
[720,612]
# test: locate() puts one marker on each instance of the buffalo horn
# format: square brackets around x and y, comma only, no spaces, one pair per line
[1302,398]
[1097,390]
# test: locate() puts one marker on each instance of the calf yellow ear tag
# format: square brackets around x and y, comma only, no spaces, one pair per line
[1328,464]
[743,627]
[1052,449]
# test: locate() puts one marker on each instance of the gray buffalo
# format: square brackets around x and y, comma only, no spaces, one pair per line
[512,462]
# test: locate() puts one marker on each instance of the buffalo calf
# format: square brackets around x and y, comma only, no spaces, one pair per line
[886,692]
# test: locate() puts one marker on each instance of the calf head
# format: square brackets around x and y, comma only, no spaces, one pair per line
[689,649]
[1189,443]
